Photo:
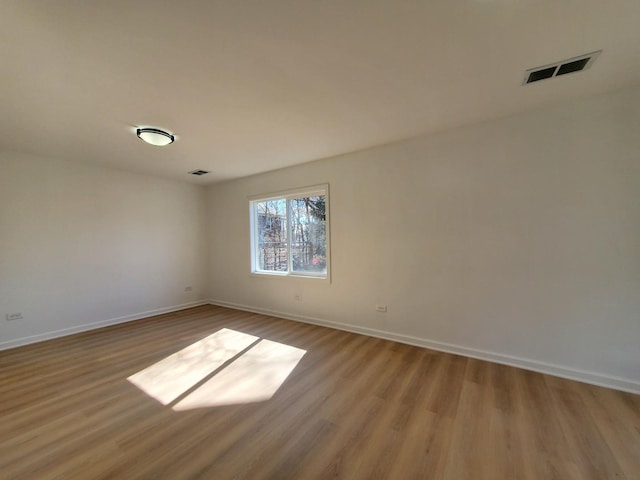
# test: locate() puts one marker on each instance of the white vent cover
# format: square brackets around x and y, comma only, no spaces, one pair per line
[575,64]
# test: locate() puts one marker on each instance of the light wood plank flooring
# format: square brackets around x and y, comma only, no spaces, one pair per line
[354,407]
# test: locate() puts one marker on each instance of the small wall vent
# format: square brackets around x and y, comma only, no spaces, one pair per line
[563,67]
[199,172]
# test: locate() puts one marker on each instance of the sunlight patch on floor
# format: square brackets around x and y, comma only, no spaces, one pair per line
[253,377]
[225,368]
[169,378]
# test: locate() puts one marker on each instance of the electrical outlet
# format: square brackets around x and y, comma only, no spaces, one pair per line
[381,308]
[187,289]
[297,297]
[15,316]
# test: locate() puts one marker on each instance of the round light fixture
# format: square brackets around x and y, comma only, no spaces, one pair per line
[154,136]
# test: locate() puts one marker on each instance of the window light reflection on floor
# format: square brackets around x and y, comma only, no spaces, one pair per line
[225,368]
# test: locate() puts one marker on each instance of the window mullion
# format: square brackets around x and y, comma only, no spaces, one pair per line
[256,232]
[255,240]
[289,249]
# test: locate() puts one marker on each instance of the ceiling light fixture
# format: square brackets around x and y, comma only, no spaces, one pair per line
[155,136]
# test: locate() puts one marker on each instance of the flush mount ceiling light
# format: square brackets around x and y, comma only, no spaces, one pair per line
[155,136]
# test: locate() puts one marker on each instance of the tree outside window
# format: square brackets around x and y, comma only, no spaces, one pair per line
[289,234]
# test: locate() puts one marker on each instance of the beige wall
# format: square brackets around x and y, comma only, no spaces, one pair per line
[83,246]
[515,240]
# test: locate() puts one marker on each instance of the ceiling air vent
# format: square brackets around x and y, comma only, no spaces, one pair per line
[563,67]
[199,172]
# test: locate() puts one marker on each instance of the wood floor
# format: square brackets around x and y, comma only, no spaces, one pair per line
[354,407]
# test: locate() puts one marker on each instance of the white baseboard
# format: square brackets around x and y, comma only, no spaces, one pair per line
[593,378]
[41,337]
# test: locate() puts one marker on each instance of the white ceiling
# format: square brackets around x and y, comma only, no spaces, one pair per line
[250,86]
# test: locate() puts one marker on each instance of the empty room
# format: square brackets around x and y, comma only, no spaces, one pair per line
[320,239]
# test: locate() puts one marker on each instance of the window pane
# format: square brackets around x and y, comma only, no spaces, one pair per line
[308,234]
[271,224]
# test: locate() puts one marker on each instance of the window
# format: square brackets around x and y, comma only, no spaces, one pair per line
[290,234]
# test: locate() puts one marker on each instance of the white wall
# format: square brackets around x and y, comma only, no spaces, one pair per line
[516,240]
[82,246]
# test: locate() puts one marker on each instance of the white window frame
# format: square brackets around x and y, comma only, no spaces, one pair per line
[314,190]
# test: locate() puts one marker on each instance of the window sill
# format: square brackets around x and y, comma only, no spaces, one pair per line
[326,279]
